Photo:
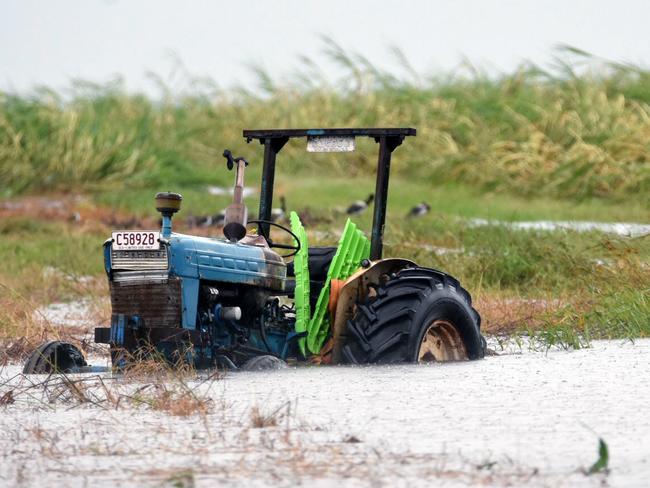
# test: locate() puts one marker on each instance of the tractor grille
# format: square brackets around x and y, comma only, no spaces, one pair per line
[159,304]
[139,260]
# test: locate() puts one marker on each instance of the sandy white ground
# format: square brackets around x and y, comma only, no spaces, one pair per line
[528,419]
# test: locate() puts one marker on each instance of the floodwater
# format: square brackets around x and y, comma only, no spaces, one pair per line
[67,314]
[518,419]
[623,229]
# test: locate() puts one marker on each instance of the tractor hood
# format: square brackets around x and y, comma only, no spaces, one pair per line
[219,260]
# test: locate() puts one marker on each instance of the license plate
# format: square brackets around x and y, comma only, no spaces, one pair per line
[125,240]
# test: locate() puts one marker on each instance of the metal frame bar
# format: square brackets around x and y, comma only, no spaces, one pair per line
[272,147]
[274,140]
[282,133]
[386,147]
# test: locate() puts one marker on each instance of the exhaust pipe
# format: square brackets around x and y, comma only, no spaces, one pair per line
[236,215]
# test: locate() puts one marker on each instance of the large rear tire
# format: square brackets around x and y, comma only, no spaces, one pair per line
[418,315]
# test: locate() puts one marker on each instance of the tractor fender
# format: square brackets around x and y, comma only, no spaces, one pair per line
[354,290]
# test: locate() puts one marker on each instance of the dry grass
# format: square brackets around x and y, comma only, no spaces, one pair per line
[262,418]
[181,402]
[23,327]
[507,315]
[21,330]
[174,395]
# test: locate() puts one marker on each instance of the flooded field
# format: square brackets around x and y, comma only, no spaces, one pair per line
[520,418]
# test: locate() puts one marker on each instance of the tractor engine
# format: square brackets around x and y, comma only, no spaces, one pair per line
[243,321]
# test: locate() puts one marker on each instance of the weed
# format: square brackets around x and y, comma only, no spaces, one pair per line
[182,479]
[602,463]
[261,420]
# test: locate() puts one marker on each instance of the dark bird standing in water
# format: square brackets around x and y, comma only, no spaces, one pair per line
[360,206]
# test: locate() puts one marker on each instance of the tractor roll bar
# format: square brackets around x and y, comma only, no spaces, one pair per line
[274,140]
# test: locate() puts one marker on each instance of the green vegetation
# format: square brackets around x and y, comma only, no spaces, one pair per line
[561,134]
[602,464]
[46,261]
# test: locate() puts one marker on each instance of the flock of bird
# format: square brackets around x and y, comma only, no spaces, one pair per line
[280,214]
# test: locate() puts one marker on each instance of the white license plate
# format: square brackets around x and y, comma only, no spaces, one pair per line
[125,240]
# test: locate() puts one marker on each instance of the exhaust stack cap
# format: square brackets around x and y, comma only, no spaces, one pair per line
[236,213]
[168,203]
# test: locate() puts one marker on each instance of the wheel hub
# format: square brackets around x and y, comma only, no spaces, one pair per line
[441,342]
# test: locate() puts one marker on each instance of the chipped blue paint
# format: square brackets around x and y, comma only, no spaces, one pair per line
[220,260]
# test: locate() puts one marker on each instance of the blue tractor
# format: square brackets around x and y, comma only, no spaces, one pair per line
[237,301]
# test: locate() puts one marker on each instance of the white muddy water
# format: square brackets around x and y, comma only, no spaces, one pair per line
[528,419]
[623,229]
[67,314]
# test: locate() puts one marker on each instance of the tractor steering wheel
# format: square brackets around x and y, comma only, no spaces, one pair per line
[295,249]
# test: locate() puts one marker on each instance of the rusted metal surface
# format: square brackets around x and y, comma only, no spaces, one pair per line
[355,289]
[159,304]
[441,342]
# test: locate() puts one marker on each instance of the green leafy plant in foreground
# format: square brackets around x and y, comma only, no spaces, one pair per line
[602,463]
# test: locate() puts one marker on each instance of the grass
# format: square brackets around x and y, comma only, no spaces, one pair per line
[176,393]
[529,133]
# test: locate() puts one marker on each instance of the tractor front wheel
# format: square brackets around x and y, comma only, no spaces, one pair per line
[418,315]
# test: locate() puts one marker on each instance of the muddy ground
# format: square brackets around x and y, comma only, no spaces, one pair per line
[522,418]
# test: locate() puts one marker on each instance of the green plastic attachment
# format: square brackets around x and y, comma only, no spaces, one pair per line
[301,271]
[354,246]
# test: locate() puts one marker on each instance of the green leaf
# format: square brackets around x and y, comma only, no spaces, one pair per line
[601,465]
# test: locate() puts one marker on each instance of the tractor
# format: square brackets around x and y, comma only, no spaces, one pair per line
[247,300]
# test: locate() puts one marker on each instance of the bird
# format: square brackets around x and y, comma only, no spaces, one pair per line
[203,220]
[419,210]
[360,205]
[279,213]
[310,218]
[215,220]
[219,219]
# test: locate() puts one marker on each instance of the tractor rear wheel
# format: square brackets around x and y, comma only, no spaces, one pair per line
[418,315]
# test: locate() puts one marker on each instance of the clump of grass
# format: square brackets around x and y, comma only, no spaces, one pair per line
[180,401]
[260,419]
[602,463]
[182,479]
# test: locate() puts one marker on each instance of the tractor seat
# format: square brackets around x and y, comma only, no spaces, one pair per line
[318,262]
